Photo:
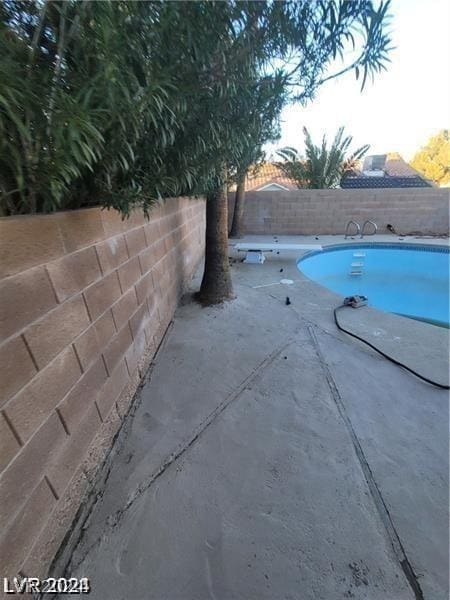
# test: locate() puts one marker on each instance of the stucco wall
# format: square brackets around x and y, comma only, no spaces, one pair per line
[85,299]
[312,212]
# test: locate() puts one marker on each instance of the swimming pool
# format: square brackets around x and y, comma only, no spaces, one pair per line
[411,279]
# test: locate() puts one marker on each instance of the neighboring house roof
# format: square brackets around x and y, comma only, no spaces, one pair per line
[397,167]
[384,171]
[273,187]
[375,171]
[268,177]
[385,181]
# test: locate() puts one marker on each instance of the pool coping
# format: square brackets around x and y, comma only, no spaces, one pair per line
[386,245]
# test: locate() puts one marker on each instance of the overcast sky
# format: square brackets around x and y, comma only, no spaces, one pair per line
[405,105]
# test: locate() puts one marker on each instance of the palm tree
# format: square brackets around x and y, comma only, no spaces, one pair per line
[322,167]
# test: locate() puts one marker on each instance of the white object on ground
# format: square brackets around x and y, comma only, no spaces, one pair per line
[283,281]
[255,287]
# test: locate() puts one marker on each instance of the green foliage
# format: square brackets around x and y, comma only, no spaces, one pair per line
[322,166]
[76,102]
[433,160]
[122,103]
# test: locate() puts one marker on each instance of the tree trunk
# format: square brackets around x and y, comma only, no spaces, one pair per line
[237,229]
[216,283]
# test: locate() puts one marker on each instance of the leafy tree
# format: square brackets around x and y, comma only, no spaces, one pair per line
[302,39]
[266,128]
[322,166]
[76,100]
[433,160]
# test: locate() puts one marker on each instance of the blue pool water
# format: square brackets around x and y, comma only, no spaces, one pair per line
[410,280]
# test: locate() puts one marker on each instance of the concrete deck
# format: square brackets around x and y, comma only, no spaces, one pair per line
[271,456]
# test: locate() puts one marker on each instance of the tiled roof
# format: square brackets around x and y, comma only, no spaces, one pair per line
[397,174]
[266,174]
[387,181]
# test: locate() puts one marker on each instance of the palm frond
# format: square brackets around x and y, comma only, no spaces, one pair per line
[322,166]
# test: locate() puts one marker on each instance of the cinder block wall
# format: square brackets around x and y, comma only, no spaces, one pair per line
[85,299]
[309,212]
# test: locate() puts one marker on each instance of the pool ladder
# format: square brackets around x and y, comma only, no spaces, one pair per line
[357,266]
[359,231]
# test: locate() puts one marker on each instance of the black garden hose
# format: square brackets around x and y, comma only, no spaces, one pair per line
[396,362]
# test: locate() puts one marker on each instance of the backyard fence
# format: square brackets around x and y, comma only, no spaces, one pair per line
[85,299]
[311,212]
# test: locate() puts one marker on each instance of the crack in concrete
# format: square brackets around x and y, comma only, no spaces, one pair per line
[114,520]
[374,490]
[198,431]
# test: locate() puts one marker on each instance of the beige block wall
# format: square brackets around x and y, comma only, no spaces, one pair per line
[85,299]
[309,212]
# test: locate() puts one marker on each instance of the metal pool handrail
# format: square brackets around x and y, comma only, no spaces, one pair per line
[358,228]
[375,228]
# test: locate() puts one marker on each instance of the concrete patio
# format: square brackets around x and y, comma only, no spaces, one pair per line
[270,456]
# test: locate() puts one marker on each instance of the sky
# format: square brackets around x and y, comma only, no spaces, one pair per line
[404,106]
